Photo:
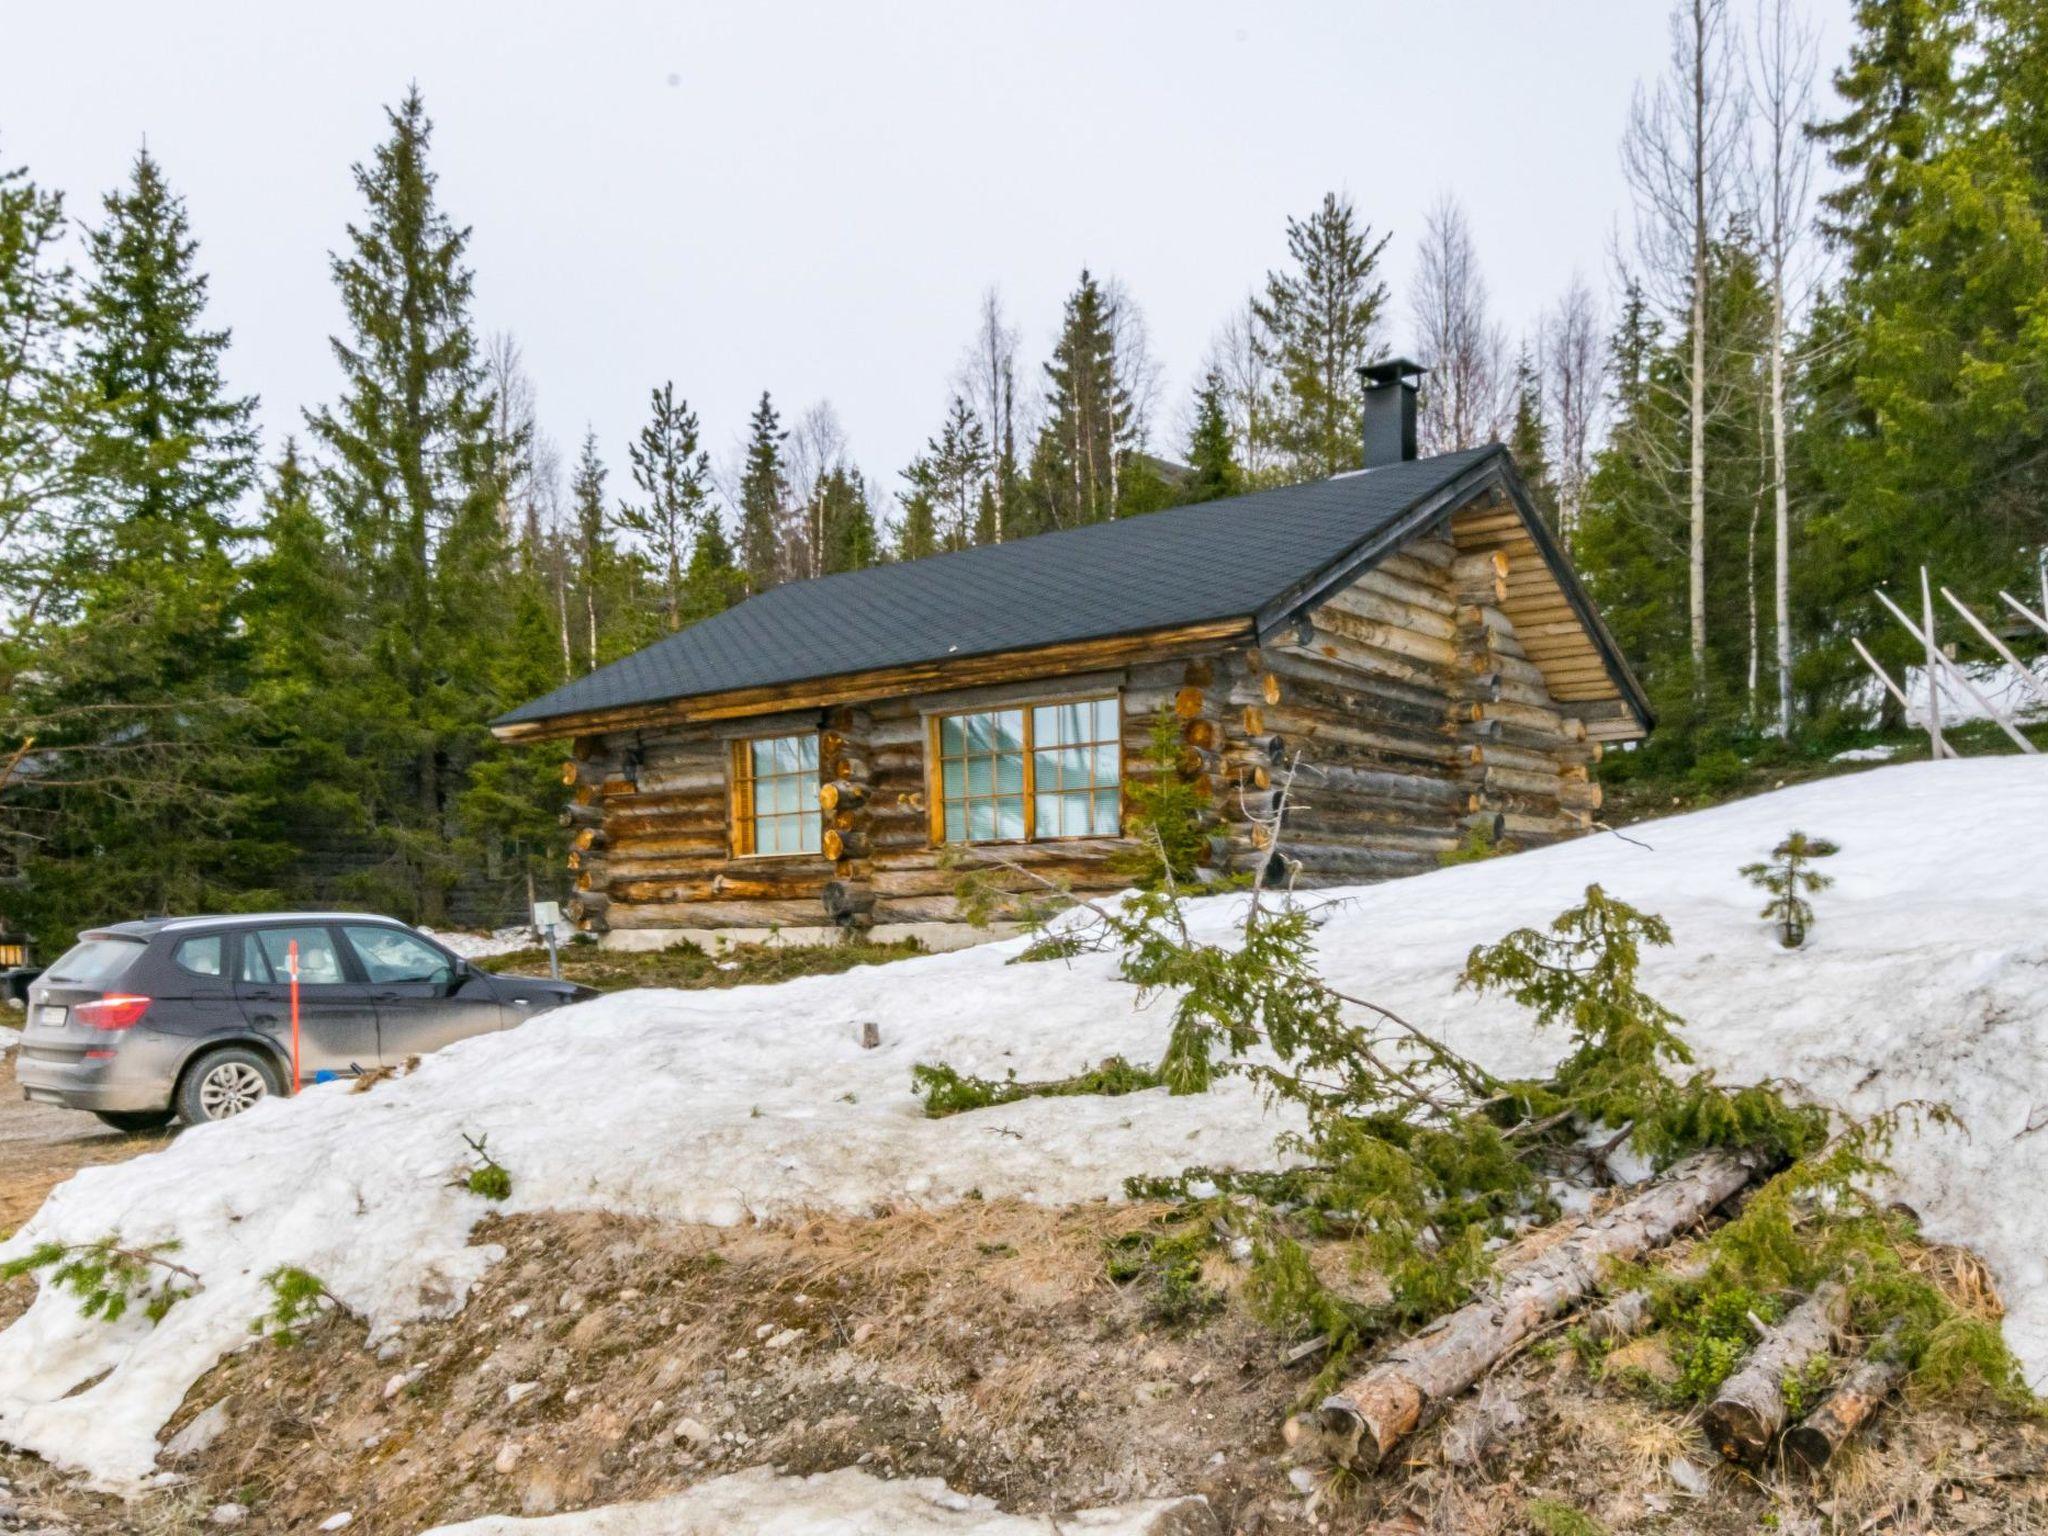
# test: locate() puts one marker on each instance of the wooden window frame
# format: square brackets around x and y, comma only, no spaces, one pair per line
[740,812]
[935,777]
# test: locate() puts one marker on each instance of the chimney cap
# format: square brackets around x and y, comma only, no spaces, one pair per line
[1395,370]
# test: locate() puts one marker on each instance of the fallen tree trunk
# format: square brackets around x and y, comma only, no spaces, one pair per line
[1843,1411]
[1365,1419]
[1747,1414]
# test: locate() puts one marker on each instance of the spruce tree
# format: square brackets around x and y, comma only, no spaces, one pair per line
[1318,324]
[140,679]
[1529,441]
[764,496]
[410,471]
[917,534]
[714,581]
[674,477]
[847,520]
[1903,99]
[953,474]
[1211,446]
[165,450]
[37,516]
[1088,416]
[597,575]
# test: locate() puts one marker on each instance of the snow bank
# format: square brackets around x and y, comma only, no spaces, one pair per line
[844,1503]
[1926,978]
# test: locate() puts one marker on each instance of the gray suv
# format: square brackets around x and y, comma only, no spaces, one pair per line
[190,1017]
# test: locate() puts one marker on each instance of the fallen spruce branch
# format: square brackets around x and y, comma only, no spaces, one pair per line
[1814,1441]
[1359,1424]
[1746,1415]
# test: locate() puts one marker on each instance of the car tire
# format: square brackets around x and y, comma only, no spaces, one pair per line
[130,1121]
[223,1083]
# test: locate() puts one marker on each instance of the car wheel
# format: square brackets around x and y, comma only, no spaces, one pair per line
[133,1120]
[221,1084]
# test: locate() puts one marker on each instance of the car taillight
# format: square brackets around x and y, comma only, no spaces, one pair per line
[119,1010]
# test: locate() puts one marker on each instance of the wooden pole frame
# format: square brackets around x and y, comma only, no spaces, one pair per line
[1962,681]
[2034,684]
[1939,748]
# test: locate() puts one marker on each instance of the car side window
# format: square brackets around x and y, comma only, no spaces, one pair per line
[266,956]
[200,956]
[390,955]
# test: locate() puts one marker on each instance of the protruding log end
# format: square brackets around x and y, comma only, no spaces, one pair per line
[1736,1431]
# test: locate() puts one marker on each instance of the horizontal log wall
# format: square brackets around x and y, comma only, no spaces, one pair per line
[1405,706]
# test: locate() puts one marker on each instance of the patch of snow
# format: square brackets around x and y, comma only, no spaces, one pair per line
[2001,685]
[1926,977]
[499,941]
[1877,754]
[848,1502]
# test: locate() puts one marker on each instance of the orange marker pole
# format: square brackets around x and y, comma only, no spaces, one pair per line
[291,958]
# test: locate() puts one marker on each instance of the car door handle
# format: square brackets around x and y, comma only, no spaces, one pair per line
[385,997]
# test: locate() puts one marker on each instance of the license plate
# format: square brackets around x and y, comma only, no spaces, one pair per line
[52,1015]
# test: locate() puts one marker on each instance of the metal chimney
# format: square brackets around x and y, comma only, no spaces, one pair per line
[1390,411]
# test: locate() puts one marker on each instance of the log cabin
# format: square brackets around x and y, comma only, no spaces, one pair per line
[1408,639]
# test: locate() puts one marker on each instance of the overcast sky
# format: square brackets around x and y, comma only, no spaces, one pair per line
[810,198]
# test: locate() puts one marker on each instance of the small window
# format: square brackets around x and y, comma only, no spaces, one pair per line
[775,796]
[1030,774]
[388,954]
[94,962]
[266,956]
[202,957]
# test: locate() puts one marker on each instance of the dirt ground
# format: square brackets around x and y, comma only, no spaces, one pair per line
[608,1359]
[40,1147]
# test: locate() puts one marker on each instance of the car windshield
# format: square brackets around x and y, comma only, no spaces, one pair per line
[95,962]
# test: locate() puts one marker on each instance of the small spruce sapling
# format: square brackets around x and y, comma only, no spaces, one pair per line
[490,1178]
[108,1279]
[1788,878]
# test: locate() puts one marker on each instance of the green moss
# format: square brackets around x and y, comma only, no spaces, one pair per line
[1554,1517]
[1166,1263]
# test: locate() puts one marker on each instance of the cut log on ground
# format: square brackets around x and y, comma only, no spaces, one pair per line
[1812,1442]
[1746,1416]
[1365,1419]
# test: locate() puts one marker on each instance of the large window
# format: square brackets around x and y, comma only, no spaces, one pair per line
[775,795]
[1038,771]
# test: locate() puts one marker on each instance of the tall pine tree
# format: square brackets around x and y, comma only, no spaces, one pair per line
[1318,324]
[411,471]
[140,684]
[674,478]
[764,498]
[1088,416]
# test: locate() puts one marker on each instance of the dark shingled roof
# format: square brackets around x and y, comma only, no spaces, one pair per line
[1189,565]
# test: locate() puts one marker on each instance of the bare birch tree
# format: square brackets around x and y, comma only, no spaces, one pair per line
[817,446]
[987,379]
[1679,156]
[1572,359]
[514,424]
[1469,393]
[1250,386]
[1781,62]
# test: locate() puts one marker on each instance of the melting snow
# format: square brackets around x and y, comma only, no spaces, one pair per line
[844,1503]
[1926,978]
